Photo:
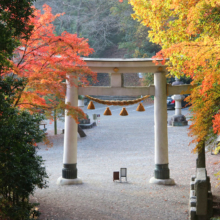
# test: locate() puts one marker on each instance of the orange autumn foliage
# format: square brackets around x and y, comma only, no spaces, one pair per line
[47,61]
[188,32]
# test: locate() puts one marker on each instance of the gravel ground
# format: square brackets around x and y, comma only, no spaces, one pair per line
[121,142]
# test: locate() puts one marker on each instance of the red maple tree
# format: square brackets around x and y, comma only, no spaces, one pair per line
[46,61]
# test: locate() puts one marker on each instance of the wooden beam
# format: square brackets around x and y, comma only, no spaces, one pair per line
[131,90]
[116,91]
[136,65]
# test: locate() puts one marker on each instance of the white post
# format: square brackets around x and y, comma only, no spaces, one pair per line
[69,171]
[161,172]
[81,104]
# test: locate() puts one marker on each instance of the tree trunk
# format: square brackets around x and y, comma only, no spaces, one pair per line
[81,132]
[55,122]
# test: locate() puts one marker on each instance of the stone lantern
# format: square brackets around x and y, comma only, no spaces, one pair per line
[178,119]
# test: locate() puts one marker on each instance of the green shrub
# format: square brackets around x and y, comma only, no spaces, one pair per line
[81,97]
[21,169]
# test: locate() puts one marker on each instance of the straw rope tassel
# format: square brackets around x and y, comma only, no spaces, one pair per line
[107,111]
[123,112]
[91,105]
[140,108]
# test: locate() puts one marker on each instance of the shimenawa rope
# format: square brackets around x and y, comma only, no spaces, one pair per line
[117,102]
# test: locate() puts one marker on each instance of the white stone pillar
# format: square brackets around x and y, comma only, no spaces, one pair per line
[116,80]
[161,172]
[69,171]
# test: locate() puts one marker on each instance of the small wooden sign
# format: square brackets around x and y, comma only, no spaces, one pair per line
[115,175]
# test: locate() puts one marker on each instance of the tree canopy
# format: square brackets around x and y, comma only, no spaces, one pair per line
[106,23]
[46,61]
[188,32]
[14,16]
[134,36]
[90,19]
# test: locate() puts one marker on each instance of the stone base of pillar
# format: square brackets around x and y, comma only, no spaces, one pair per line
[161,171]
[178,120]
[69,175]
[162,181]
[69,171]
[62,181]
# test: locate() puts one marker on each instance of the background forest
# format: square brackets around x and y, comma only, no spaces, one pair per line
[108,25]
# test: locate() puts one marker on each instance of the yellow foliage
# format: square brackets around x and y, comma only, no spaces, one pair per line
[189,33]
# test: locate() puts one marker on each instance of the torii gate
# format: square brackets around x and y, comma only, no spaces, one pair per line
[160,90]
